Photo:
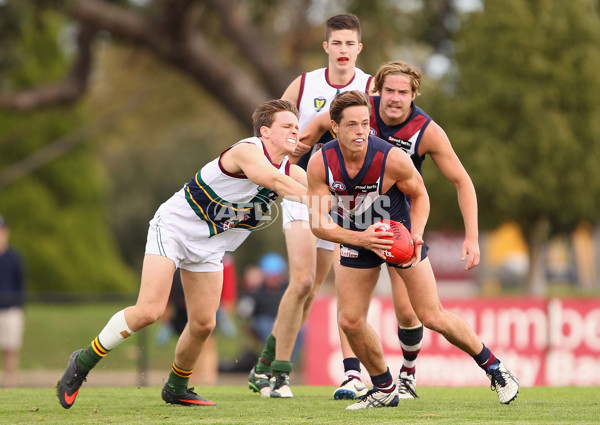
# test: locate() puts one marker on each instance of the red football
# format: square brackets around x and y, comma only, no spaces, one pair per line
[403,247]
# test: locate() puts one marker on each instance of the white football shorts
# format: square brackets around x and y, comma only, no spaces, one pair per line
[297,211]
[176,232]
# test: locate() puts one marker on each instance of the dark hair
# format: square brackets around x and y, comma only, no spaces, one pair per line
[264,114]
[348,21]
[345,100]
[398,68]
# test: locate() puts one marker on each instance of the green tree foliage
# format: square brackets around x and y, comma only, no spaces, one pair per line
[58,213]
[523,111]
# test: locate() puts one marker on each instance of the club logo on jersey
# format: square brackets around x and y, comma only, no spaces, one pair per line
[235,221]
[319,103]
[338,186]
[372,132]
[401,143]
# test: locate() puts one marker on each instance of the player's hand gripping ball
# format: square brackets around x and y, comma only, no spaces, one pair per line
[403,247]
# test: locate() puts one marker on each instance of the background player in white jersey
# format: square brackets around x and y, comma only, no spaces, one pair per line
[210,215]
[396,119]
[309,260]
[337,180]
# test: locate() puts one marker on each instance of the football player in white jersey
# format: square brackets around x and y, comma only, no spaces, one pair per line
[213,213]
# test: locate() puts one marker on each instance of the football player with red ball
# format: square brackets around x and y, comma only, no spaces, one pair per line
[356,182]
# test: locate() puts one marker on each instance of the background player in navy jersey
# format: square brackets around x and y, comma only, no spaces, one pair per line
[309,259]
[357,161]
[396,119]
[212,214]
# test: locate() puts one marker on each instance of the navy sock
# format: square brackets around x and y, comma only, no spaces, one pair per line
[384,382]
[486,359]
[410,336]
[410,342]
[351,363]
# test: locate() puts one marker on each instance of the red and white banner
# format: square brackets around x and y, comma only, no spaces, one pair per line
[543,342]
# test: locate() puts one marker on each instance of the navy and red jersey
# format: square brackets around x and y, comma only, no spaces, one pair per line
[358,200]
[406,135]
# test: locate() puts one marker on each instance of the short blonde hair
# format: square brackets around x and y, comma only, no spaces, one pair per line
[396,68]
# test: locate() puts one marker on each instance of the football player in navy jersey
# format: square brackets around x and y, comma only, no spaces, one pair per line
[358,160]
[310,259]
[396,119]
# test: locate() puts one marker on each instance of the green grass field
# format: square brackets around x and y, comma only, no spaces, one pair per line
[47,347]
[314,405]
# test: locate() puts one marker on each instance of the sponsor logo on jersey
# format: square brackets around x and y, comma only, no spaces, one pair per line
[339,186]
[319,103]
[365,188]
[401,143]
[348,252]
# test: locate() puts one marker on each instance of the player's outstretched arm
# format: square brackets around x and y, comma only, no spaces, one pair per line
[249,159]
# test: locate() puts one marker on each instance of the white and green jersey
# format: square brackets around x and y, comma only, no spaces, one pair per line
[225,200]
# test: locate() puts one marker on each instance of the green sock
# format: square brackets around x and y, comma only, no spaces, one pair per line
[267,356]
[89,357]
[281,366]
[178,379]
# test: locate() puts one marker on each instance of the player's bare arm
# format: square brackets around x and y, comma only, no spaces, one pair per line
[436,143]
[298,174]
[249,159]
[292,92]
[314,129]
[320,201]
[401,171]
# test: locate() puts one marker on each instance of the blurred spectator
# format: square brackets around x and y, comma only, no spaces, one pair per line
[174,320]
[263,288]
[12,300]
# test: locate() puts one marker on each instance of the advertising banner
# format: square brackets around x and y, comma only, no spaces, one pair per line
[543,342]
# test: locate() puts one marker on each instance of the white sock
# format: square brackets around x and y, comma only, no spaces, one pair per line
[115,331]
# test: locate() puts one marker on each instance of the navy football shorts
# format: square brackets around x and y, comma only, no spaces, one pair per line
[357,257]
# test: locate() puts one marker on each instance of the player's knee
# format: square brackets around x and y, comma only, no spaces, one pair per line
[407,320]
[145,316]
[349,325]
[201,328]
[433,321]
[302,286]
